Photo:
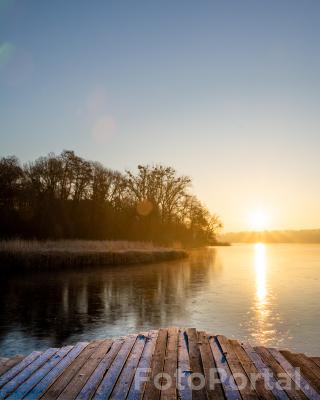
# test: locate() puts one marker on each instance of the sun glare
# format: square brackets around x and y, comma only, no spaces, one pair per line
[260,266]
[258,220]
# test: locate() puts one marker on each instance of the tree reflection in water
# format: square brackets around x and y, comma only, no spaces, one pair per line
[53,308]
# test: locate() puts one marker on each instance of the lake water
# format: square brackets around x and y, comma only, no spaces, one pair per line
[266,294]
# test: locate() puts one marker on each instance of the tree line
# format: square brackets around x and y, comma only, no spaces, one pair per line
[66,196]
[285,236]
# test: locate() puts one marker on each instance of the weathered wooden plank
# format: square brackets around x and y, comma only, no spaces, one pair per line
[256,378]
[69,372]
[107,369]
[38,390]
[230,389]
[316,360]
[307,389]
[293,391]
[10,386]
[311,364]
[11,362]
[123,384]
[109,380]
[143,370]
[12,372]
[35,378]
[75,384]
[298,361]
[276,388]
[151,391]
[184,389]
[198,390]
[242,380]
[96,377]
[213,386]
[170,366]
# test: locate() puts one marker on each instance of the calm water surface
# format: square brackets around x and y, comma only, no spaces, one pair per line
[268,294]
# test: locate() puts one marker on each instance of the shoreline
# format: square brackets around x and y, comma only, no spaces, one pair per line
[221,244]
[27,255]
[52,259]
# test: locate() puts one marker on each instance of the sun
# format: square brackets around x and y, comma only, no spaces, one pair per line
[259,220]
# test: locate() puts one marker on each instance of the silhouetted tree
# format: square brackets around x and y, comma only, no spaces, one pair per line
[66,196]
[11,180]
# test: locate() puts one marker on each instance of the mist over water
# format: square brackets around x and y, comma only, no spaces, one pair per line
[267,294]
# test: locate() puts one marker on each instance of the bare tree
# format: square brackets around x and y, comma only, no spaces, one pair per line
[67,196]
[11,179]
[161,186]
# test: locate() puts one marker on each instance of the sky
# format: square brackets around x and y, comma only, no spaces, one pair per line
[227,92]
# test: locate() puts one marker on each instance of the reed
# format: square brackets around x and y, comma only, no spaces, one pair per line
[24,254]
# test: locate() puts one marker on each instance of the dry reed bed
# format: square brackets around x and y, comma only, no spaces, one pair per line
[21,254]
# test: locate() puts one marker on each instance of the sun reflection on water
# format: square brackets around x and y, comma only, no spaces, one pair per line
[260,268]
[262,323]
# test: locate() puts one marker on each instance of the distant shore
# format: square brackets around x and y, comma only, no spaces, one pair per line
[276,236]
[25,255]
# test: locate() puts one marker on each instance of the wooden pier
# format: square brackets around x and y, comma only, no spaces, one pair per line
[145,365]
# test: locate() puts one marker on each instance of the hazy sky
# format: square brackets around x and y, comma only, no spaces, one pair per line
[227,92]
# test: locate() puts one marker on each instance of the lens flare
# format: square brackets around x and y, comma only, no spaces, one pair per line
[6,51]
